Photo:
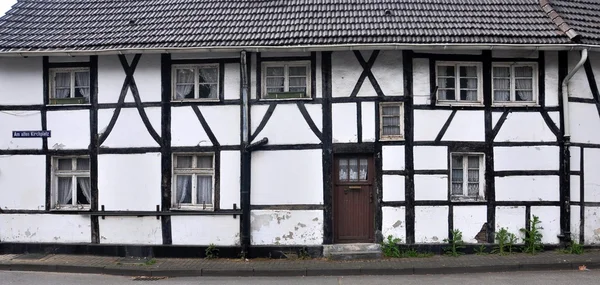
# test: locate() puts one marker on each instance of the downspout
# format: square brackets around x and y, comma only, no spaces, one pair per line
[565,94]
[245,158]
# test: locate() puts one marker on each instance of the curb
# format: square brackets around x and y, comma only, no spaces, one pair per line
[269,272]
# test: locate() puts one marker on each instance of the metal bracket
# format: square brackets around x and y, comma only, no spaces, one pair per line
[257,144]
[158,210]
[234,208]
[102,209]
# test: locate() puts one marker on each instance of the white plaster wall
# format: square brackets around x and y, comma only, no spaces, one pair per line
[368,121]
[129,130]
[147,77]
[526,158]
[232,81]
[19,121]
[550,222]
[286,227]
[286,126]
[578,85]
[318,76]
[431,224]
[130,230]
[394,222]
[316,113]
[45,228]
[393,157]
[224,122]
[527,188]
[591,179]
[110,79]
[498,53]
[186,129]
[393,188]
[21,80]
[205,230]
[287,177]
[421,83]
[575,223]
[575,158]
[584,123]
[524,126]
[345,71]
[551,77]
[430,157]
[469,220]
[252,64]
[137,189]
[512,218]
[70,129]
[230,179]
[575,188]
[23,182]
[68,59]
[466,126]
[591,225]
[428,123]
[344,123]
[201,55]
[388,72]
[431,187]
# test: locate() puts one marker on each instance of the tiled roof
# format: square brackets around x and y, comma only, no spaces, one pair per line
[52,25]
[583,16]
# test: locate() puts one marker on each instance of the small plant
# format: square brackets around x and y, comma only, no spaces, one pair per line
[533,237]
[574,248]
[303,254]
[390,247]
[456,243]
[411,252]
[502,241]
[150,262]
[512,240]
[481,250]
[211,251]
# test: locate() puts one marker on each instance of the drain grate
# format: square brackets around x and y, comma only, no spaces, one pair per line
[148,278]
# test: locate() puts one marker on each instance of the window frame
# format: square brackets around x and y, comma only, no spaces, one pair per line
[196,68]
[286,65]
[391,137]
[74,174]
[71,70]
[195,172]
[535,84]
[466,197]
[457,65]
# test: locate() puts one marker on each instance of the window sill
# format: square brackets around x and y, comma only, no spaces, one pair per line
[515,104]
[286,99]
[459,104]
[467,199]
[391,138]
[71,208]
[195,100]
[193,208]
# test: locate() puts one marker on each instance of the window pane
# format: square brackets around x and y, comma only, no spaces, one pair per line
[204,187]
[297,71]
[523,84]
[468,95]
[184,162]
[353,170]
[447,95]
[468,83]
[457,175]
[208,91]
[297,89]
[391,121]
[65,190]
[82,93]
[84,191]
[62,79]
[273,82]
[501,84]
[364,169]
[524,96]
[473,190]
[502,71]
[457,188]
[208,75]
[501,96]
[523,71]
[343,169]
[65,164]
[446,82]
[473,162]
[390,110]
[183,189]
[391,131]
[473,175]
[82,79]
[468,71]
[185,75]
[275,71]
[297,82]
[445,70]
[83,164]
[184,91]
[275,90]
[205,162]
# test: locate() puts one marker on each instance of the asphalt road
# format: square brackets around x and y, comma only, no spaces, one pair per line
[529,278]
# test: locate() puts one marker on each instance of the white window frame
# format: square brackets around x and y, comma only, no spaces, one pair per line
[457,66]
[194,171]
[74,174]
[71,71]
[391,137]
[286,66]
[196,68]
[464,196]
[535,89]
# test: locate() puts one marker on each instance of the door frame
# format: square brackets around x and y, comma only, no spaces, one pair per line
[371,180]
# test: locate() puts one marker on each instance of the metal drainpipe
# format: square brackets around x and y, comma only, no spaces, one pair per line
[566,235]
[245,159]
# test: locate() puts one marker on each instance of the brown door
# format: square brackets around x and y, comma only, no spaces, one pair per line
[353,199]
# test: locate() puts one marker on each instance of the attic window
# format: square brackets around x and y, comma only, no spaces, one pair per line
[69,85]
[289,80]
[196,82]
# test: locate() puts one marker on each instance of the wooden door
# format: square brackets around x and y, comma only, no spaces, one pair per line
[353,204]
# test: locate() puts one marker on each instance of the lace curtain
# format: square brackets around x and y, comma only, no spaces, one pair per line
[82,83]
[185,83]
[62,82]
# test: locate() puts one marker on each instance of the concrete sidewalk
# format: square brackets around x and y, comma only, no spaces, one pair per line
[168,267]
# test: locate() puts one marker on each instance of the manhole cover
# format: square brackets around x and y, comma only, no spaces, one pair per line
[148,278]
[31,256]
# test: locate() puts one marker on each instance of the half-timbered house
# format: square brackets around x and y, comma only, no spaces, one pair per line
[254,125]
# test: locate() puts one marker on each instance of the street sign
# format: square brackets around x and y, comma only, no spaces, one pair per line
[31,134]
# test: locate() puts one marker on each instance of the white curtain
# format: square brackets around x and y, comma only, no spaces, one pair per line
[62,83]
[83,79]
[185,82]
[65,190]
[524,83]
[502,84]
[204,190]
[391,120]
[85,186]
[184,188]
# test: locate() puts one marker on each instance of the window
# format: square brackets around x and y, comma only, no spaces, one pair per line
[193,181]
[196,82]
[391,121]
[71,185]
[514,83]
[353,170]
[459,82]
[467,176]
[70,86]
[286,80]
